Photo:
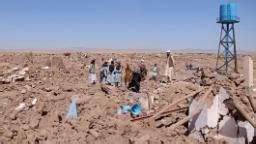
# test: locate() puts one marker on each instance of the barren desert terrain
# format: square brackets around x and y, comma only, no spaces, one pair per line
[45,83]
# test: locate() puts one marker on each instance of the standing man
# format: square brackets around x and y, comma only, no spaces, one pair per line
[118,74]
[92,72]
[169,71]
[143,70]
[111,75]
[104,72]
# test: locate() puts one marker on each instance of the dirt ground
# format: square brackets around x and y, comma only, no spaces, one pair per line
[98,118]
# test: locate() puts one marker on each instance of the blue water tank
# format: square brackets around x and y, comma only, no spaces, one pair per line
[223,12]
[233,11]
[228,12]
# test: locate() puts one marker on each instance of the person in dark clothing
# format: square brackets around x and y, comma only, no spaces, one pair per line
[104,72]
[111,67]
[134,85]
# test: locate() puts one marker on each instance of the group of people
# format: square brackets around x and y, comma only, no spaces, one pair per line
[112,73]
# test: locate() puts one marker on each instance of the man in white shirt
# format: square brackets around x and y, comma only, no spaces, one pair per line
[169,71]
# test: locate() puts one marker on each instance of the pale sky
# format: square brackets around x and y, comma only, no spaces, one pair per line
[124,24]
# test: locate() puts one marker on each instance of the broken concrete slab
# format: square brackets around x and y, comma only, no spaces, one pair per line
[228,130]
[197,135]
[192,107]
[228,127]
[246,130]
[209,117]
[222,96]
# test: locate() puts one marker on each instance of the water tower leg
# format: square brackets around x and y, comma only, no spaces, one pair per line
[219,49]
[234,43]
[227,47]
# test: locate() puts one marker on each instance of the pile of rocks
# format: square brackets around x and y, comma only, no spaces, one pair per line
[14,74]
[217,120]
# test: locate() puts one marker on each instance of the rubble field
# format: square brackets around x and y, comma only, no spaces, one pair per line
[197,106]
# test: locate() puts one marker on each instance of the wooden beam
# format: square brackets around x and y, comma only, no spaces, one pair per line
[250,97]
[163,114]
[244,113]
[202,104]
[173,104]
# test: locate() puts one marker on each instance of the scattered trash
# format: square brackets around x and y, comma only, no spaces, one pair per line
[136,110]
[72,112]
[125,108]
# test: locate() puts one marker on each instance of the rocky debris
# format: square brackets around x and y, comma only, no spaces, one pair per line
[109,90]
[93,133]
[215,118]
[209,117]
[34,122]
[5,80]
[15,74]
[228,130]
[163,79]
[20,107]
[23,91]
[49,90]
[45,67]
[33,102]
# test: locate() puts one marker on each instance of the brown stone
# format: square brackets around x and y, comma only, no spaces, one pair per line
[34,122]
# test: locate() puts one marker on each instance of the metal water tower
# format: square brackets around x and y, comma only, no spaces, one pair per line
[227,46]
